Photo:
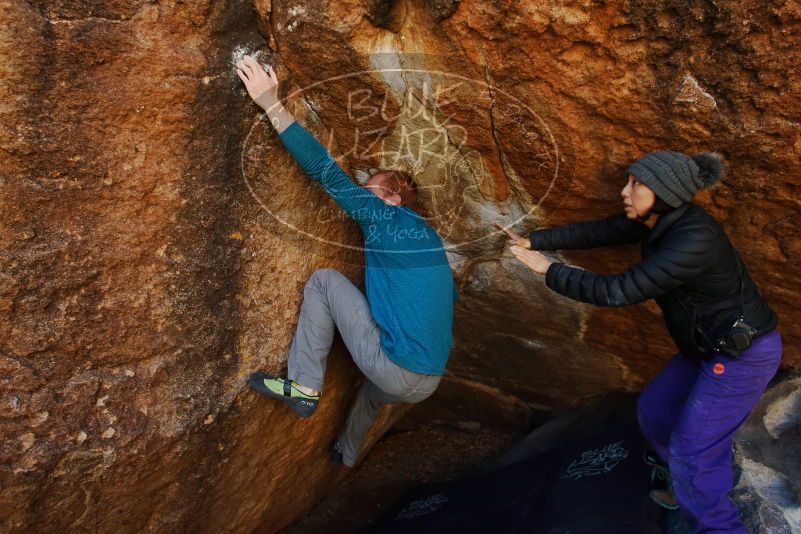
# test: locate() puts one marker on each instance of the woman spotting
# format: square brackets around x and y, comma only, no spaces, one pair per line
[729,348]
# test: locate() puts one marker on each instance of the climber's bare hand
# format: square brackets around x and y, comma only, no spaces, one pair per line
[262,85]
[514,238]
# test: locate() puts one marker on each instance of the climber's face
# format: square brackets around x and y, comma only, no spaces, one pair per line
[638,198]
[379,187]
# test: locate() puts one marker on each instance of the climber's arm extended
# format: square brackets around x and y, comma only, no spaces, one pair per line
[262,85]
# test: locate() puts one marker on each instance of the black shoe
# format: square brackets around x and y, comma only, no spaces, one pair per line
[335,452]
[652,459]
[661,482]
[659,469]
[286,391]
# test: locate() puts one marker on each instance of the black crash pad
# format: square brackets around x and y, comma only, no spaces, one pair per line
[596,484]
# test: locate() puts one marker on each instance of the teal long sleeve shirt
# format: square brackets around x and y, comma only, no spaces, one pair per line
[408,280]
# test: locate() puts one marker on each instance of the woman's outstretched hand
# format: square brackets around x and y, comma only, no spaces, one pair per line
[532,259]
[262,85]
[514,239]
[520,247]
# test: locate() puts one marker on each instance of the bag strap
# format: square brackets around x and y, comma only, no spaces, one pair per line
[742,285]
[692,315]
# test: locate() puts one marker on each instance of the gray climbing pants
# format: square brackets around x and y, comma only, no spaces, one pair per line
[330,300]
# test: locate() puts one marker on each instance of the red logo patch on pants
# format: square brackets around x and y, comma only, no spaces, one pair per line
[719,369]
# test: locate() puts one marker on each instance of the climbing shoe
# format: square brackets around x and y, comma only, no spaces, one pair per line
[661,482]
[653,460]
[665,498]
[286,391]
[660,472]
[335,452]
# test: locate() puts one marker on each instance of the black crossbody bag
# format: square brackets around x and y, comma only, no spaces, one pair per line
[736,338]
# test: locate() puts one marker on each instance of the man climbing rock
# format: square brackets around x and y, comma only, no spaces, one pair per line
[399,334]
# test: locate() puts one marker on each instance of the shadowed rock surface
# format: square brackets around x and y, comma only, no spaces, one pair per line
[768,444]
[766,465]
[155,237]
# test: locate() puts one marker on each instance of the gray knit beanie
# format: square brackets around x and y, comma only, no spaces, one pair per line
[675,177]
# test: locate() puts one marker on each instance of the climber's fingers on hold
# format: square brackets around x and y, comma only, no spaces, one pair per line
[243,77]
[244,73]
[246,68]
[255,67]
[272,74]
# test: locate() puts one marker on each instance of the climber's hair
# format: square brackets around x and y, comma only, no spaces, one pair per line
[400,183]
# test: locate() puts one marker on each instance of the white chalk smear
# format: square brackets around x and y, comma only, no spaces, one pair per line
[240,52]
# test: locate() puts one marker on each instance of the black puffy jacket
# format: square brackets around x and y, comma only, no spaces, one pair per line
[688,265]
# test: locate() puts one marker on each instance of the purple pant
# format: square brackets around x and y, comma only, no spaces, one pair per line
[689,413]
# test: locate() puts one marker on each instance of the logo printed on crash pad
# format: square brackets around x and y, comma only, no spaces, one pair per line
[719,369]
[423,506]
[597,461]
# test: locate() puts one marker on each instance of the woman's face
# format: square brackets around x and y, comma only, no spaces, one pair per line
[638,198]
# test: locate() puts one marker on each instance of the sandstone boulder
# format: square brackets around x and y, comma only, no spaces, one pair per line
[155,237]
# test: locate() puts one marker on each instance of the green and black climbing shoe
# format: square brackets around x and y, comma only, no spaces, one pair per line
[286,391]
[335,452]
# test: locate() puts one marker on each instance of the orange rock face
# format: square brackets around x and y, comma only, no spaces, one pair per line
[156,236]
